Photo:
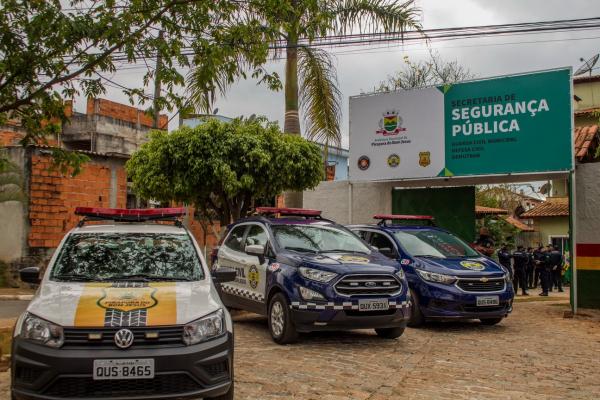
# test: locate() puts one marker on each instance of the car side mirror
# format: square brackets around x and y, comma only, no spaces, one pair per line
[389,253]
[223,275]
[30,275]
[257,250]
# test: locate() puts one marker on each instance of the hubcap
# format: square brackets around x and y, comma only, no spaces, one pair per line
[277,319]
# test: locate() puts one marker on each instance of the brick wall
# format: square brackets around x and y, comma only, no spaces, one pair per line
[53,198]
[123,112]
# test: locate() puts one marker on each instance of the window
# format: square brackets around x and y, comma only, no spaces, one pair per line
[316,238]
[114,256]
[433,243]
[234,240]
[362,234]
[383,244]
[256,235]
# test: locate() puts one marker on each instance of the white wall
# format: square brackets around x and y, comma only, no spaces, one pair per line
[587,181]
[334,198]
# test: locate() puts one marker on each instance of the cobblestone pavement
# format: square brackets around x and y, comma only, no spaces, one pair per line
[534,354]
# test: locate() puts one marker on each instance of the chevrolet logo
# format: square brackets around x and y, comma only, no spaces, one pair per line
[484,279]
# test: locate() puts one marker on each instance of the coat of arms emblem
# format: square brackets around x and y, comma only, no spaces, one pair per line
[424,158]
[390,124]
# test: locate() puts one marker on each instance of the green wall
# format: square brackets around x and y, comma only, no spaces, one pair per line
[453,208]
[588,288]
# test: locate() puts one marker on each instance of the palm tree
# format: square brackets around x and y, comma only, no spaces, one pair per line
[310,75]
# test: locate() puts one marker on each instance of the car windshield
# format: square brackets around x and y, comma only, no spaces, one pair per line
[318,239]
[433,243]
[128,256]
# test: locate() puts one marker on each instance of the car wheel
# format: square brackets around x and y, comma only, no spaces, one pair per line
[281,326]
[226,396]
[390,333]
[416,316]
[490,321]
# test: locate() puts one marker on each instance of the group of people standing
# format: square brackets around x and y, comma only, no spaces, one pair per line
[528,267]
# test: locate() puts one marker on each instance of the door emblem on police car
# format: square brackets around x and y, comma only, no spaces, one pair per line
[253,277]
[475,266]
[123,338]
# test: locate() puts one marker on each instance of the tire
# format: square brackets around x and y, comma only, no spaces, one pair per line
[226,396]
[416,315]
[390,333]
[490,321]
[281,325]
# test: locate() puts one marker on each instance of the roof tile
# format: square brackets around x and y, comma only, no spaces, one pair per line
[552,207]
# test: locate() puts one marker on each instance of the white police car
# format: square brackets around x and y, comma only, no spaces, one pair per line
[125,311]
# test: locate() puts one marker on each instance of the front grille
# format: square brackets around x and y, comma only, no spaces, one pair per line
[368,285]
[87,387]
[477,285]
[167,336]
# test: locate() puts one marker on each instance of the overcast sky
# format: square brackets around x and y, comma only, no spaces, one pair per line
[360,69]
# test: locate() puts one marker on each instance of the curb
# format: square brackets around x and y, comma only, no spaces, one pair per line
[26,297]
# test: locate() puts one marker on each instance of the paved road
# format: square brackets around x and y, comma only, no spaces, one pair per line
[534,354]
[12,308]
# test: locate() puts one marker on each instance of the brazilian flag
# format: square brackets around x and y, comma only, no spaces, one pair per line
[567,273]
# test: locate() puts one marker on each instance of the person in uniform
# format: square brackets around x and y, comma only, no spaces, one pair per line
[520,262]
[556,261]
[538,255]
[530,268]
[504,258]
[545,275]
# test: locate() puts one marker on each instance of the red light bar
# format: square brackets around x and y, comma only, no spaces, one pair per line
[402,217]
[130,214]
[303,212]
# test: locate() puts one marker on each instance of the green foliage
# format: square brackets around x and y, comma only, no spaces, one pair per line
[434,71]
[53,50]
[499,230]
[222,168]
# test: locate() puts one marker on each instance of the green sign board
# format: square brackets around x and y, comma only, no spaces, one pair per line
[513,124]
[505,125]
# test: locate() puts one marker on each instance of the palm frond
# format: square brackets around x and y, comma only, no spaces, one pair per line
[371,16]
[320,97]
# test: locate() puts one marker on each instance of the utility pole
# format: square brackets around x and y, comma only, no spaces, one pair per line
[157,84]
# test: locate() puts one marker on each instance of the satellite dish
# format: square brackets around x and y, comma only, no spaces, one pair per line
[587,65]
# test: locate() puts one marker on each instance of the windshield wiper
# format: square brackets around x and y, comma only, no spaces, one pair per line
[302,250]
[147,278]
[76,278]
[428,256]
[344,251]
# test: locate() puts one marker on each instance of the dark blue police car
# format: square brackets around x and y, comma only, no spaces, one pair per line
[307,273]
[447,278]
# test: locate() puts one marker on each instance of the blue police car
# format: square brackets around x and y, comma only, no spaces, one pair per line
[307,273]
[447,278]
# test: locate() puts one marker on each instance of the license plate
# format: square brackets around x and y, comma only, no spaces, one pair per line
[483,301]
[373,305]
[124,369]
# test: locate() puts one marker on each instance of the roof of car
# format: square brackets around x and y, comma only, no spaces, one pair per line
[285,220]
[394,227]
[130,228]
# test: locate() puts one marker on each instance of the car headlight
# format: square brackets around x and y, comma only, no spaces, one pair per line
[205,328]
[40,331]
[316,274]
[400,274]
[309,294]
[435,277]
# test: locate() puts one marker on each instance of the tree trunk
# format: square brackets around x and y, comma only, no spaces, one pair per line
[292,120]
[291,123]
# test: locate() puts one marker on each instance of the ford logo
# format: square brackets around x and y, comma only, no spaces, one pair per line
[370,284]
[124,338]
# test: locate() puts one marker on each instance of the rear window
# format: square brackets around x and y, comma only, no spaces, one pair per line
[128,256]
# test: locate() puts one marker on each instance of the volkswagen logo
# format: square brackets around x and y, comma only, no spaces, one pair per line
[370,284]
[124,338]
